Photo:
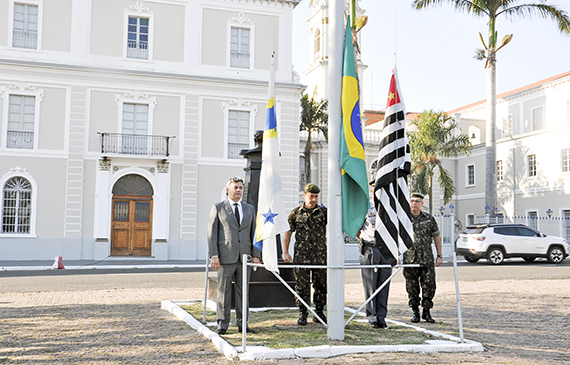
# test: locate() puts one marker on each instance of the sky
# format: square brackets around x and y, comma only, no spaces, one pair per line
[434,50]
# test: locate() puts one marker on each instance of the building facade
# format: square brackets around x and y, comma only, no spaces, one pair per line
[533,158]
[122,120]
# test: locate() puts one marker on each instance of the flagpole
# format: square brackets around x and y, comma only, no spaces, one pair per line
[335,276]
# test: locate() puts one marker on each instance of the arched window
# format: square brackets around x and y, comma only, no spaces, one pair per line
[16,206]
[132,185]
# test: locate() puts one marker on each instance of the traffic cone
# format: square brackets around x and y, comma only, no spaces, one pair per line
[58,264]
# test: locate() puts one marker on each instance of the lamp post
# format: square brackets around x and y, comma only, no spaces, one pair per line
[549,213]
[454,257]
[487,208]
[441,211]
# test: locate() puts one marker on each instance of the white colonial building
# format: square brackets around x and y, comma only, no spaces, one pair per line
[122,120]
[533,158]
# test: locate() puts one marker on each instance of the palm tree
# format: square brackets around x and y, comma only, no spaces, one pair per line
[492,9]
[314,118]
[431,137]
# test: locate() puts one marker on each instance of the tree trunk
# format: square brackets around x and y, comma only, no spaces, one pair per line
[490,139]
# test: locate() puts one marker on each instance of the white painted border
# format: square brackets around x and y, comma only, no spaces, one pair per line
[447,343]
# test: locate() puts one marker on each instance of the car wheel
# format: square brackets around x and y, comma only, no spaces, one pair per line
[471,259]
[495,256]
[555,255]
[529,259]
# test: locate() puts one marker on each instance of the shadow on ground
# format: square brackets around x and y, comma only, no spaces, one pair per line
[96,334]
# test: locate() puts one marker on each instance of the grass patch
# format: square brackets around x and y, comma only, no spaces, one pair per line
[277,328]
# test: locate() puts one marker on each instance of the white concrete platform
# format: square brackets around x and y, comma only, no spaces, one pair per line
[446,343]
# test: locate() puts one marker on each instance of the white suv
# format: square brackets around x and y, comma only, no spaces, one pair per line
[495,242]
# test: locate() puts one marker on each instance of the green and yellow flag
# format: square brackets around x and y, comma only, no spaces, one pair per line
[355,200]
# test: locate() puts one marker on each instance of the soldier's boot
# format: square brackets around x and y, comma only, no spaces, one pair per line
[427,316]
[416,316]
[320,313]
[302,316]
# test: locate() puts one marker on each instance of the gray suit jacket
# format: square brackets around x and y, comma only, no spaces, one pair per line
[228,240]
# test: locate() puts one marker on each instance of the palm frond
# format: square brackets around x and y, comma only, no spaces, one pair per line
[561,17]
[446,183]
[472,7]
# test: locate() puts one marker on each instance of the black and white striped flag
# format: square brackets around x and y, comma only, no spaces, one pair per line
[394,229]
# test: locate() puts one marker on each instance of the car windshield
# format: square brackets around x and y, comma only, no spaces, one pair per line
[477,230]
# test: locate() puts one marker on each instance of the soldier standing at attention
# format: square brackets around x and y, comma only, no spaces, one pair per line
[425,232]
[309,222]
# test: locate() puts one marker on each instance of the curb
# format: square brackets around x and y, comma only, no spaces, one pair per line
[98,267]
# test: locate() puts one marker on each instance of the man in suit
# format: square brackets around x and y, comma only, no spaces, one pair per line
[373,252]
[231,231]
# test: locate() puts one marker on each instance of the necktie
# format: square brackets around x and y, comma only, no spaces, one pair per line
[237,214]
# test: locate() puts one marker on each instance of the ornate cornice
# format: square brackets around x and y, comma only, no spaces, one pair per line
[22,87]
[135,95]
[162,167]
[139,8]
[241,104]
[240,19]
[104,164]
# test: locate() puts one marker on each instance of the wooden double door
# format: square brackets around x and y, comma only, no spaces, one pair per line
[131,226]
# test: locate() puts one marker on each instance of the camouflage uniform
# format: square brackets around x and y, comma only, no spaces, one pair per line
[425,229]
[309,226]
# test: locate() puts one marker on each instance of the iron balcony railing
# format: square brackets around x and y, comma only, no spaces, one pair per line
[25,39]
[135,144]
[137,50]
[20,139]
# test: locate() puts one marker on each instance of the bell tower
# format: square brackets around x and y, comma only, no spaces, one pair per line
[316,73]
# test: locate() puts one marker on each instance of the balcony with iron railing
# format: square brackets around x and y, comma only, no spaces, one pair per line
[20,139]
[25,39]
[239,59]
[137,50]
[135,144]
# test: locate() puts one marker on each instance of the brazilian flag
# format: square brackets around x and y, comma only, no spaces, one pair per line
[355,199]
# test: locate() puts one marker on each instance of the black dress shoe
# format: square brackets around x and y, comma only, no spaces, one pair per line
[382,323]
[247,330]
[221,331]
[374,324]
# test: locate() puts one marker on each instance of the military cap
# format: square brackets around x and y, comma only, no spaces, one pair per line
[418,195]
[312,188]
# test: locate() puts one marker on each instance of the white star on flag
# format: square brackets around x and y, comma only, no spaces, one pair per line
[271,218]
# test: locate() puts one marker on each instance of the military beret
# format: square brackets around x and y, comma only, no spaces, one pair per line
[418,195]
[312,188]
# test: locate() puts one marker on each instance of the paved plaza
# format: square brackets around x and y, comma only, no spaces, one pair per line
[107,317]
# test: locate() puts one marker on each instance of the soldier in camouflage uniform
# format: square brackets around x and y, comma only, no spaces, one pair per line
[425,232]
[309,221]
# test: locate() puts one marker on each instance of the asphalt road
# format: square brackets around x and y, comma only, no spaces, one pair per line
[61,280]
